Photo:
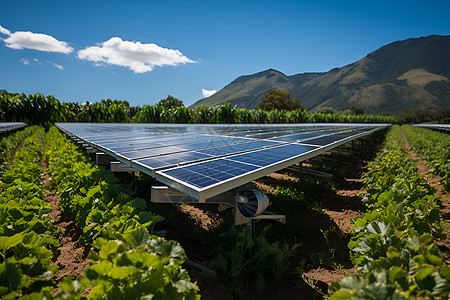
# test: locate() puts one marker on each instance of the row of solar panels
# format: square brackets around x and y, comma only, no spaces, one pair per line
[206,160]
[439,127]
[9,126]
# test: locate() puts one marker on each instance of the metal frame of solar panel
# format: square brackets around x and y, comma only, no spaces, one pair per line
[438,127]
[203,161]
[9,126]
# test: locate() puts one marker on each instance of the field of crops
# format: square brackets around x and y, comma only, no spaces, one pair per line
[39,109]
[134,249]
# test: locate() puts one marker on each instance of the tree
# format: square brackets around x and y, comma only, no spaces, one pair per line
[327,110]
[279,99]
[170,102]
[356,110]
[109,102]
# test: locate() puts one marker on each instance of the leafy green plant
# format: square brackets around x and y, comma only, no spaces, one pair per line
[434,147]
[410,270]
[392,243]
[252,264]
[133,266]
[27,244]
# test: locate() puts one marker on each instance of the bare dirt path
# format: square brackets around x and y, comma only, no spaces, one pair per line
[72,258]
[434,180]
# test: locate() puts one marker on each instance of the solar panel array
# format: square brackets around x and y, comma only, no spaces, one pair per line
[206,160]
[439,127]
[8,126]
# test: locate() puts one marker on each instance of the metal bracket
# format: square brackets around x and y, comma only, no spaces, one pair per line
[117,166]
[240,219]
[103,159]
[90,150]
[165,194]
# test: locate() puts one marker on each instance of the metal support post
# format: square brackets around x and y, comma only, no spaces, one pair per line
[251,228]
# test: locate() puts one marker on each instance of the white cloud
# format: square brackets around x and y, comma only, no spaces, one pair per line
[136,56]
[25,61]
[37,60]
[57,66]
[207,93]
[37,41]
[4,30]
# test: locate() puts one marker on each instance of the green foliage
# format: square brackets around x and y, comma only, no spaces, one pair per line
[327,110]
[170,102]
[279,99]
[135,265]
[245,264]
[434,147]
[26,231]
[39,109]
[32,109]
[226,113]
[356,110]
[45,110]
[412,270]
[419,115]
[392,243]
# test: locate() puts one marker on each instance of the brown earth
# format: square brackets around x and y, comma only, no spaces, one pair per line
[72,258]
[203,218]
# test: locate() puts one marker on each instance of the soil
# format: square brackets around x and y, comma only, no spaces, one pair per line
[72,258]
[203,218]
[443,242]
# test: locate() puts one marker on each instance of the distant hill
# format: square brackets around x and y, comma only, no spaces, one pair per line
[402,75]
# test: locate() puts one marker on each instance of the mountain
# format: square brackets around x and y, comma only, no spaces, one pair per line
[397,77]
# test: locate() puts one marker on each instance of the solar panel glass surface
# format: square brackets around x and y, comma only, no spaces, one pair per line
[203,157]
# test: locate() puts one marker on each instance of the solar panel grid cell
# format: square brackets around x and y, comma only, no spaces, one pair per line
[210,172]
[172,159]
[163,142]
[273,155]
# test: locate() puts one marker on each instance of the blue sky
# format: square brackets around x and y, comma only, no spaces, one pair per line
[142,51]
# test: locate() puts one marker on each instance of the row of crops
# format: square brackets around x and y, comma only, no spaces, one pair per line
[392,244]
[40,109]
[130,261]
[434,147]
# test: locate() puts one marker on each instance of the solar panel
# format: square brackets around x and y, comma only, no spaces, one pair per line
[439,127]
[8,126]
[202,178]
[205,160]
[179,147]
[171,160]
[161,142]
